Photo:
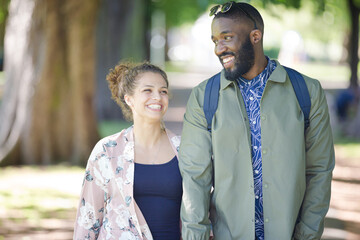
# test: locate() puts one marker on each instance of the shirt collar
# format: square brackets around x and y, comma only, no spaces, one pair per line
[278,75]
[262,78]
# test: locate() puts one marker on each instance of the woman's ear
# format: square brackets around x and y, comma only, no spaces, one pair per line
[128,100]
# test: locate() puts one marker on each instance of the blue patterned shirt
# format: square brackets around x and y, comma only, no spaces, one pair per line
[252,91]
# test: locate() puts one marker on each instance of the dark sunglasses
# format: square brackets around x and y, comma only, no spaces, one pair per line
[223,8]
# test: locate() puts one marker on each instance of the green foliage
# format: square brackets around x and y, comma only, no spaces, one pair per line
[107,128]
[327,24]
[183,11]
[272,52]
[4,4]
[3,10]
[180,12]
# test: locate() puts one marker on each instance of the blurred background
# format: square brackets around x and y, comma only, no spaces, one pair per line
[55,103]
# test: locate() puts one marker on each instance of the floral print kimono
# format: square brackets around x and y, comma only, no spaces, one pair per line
[107,209]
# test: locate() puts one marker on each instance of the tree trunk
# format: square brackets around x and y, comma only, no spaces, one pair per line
[354,43]
[352,127]
[48,112]
[120,35]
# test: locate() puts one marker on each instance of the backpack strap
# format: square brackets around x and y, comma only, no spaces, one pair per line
[211,98]
[301,92]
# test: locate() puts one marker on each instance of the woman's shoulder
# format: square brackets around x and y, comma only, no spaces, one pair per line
[175,139]
[115,139]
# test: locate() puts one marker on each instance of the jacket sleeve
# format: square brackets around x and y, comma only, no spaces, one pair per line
[92,199]
[196,169]
[320,162]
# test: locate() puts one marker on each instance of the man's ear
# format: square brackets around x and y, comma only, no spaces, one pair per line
[255,36]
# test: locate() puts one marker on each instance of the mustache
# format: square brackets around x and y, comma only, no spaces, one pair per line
[226,54]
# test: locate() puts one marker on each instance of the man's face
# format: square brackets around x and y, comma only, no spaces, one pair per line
[233,46]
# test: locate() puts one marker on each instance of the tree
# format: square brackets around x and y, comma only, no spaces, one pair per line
[353,45]
[3,15]
[354,8]
[122,32]
[47,111]
[55,50]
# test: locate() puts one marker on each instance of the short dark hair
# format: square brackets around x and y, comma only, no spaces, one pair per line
[236,13]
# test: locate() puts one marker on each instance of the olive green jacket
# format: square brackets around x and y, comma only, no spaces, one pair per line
[297,167]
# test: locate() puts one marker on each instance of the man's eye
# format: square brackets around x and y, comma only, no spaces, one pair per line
[164,92]
[227,37]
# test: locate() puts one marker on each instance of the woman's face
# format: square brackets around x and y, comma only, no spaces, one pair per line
[150,99]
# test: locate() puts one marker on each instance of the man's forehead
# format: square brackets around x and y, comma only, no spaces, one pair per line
[225,25]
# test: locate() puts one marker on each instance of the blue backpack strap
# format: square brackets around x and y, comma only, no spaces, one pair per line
[211,98]
[302,93]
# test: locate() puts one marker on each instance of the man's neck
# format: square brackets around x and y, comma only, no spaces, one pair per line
[259,66]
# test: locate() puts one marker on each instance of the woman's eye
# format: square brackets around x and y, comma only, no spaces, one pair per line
[164,92]
[227,37]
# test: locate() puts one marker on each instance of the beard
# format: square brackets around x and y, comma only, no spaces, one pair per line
[244,60]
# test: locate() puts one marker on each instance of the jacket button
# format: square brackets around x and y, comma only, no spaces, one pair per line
[266,220]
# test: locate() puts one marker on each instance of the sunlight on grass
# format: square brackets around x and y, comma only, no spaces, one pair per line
[2,78]
[32,194]
[107,128]
[325,72]
[348,150]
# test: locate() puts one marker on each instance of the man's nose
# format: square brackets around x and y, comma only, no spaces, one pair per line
[220,48]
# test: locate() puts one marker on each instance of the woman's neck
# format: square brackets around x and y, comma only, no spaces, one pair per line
[147,134]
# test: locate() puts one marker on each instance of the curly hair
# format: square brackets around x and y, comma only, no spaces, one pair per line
[122,80]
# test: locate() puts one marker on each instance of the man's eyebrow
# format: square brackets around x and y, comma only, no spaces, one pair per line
[226,32]
[222,33]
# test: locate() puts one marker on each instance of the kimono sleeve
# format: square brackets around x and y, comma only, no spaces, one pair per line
[93,198]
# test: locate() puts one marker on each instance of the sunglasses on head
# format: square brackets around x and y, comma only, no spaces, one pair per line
[223,8]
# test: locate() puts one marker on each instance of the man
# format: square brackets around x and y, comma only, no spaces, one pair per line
[267,178]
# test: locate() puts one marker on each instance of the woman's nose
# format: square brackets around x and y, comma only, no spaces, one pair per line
[155,95]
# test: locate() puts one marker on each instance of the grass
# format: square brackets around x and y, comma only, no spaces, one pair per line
[107,128]
[325,71]
[39,192]
[347,150]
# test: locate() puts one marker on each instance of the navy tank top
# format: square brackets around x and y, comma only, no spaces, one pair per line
[158,192]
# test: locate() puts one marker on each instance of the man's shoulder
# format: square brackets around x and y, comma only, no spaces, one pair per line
[202,85]
[199,90]
[311,83]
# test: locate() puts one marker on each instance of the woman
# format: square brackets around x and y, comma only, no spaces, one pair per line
[132,187]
